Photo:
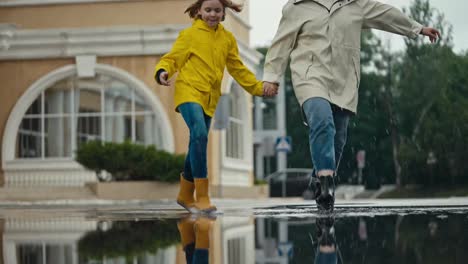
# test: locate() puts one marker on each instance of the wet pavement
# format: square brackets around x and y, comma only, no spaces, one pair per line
[244,231]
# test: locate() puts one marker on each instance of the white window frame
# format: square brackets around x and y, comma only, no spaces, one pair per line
[246,135]
[237,152]
[242,230]
[9,160]
[236,172]
[74,116]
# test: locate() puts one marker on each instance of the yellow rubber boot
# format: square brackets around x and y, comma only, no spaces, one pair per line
[186,231]
[202,233]
[185,196]
[202,203]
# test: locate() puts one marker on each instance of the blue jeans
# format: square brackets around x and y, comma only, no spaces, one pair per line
[195,255]
[326,258]
[328,126]
[199,125]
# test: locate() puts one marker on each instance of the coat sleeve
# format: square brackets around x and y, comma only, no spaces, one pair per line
[176,58]
[388,18]
[281,47]
[243,76]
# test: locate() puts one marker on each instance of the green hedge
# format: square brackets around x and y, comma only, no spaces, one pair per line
[129,239]
[128,161]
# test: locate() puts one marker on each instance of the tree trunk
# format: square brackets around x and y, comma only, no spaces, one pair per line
[388,102]
[395,149]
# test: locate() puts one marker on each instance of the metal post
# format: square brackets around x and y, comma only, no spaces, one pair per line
[282,157]
[283,188]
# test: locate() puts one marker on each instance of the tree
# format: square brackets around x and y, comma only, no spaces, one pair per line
[422,81]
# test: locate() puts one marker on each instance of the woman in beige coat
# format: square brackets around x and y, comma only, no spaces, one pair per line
[322,38]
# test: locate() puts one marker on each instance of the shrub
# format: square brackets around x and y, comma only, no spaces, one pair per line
[128,161]
[260,182]
[90,155]
[129,239]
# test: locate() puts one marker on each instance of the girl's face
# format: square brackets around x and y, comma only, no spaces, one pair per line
[212,12]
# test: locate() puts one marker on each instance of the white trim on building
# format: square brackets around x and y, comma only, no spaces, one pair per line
[18,44]
[51,2]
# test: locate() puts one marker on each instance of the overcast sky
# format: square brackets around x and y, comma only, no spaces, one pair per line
[265,16]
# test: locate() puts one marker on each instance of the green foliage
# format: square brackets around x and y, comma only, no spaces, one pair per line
[420,95]
[369,130]
[432,105]
[260,182]
[128,239]
[93,162]
[128,161]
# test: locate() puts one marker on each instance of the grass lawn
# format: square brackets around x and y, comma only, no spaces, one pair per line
[427,192]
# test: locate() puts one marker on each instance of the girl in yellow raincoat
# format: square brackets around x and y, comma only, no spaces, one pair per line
[200,55]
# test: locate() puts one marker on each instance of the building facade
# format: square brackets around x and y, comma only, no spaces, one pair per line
[79,70]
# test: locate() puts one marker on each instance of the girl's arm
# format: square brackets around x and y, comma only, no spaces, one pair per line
[243,76]
[282,45]
[388,18]
[175,59]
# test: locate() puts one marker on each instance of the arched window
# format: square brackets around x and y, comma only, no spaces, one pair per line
[75,110]
[236,125]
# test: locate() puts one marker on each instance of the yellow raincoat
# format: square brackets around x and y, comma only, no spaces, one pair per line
[200,55]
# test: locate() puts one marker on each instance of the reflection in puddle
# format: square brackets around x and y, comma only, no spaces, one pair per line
[397,238]
[426,238]
[139,241]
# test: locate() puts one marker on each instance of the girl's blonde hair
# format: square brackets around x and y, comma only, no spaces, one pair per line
[193,9]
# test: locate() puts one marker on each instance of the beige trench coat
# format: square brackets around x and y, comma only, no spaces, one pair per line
[323,40]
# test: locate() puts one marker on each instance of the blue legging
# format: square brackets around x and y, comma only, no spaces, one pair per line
[195,255]
[199,125]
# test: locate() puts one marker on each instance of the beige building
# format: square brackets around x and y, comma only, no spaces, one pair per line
[77,70]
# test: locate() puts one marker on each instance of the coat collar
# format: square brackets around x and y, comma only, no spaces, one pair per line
[321,1]
[199,23]
[330,5]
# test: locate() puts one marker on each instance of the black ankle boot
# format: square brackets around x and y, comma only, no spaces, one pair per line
[313,189]
[326,199]
[326,231]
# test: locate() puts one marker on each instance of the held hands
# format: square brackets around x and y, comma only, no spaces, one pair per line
[163,78]
[432,33]
[270,89]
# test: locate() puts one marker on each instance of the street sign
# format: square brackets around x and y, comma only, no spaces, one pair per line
[283,144]
[285,249]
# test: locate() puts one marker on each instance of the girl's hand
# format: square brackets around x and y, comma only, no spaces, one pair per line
[270,89]
[163,79]
[432,33]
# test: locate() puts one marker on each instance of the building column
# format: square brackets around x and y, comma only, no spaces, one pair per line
[119,131]
[109,106]
[2,231]
[55,127]
[149,130]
